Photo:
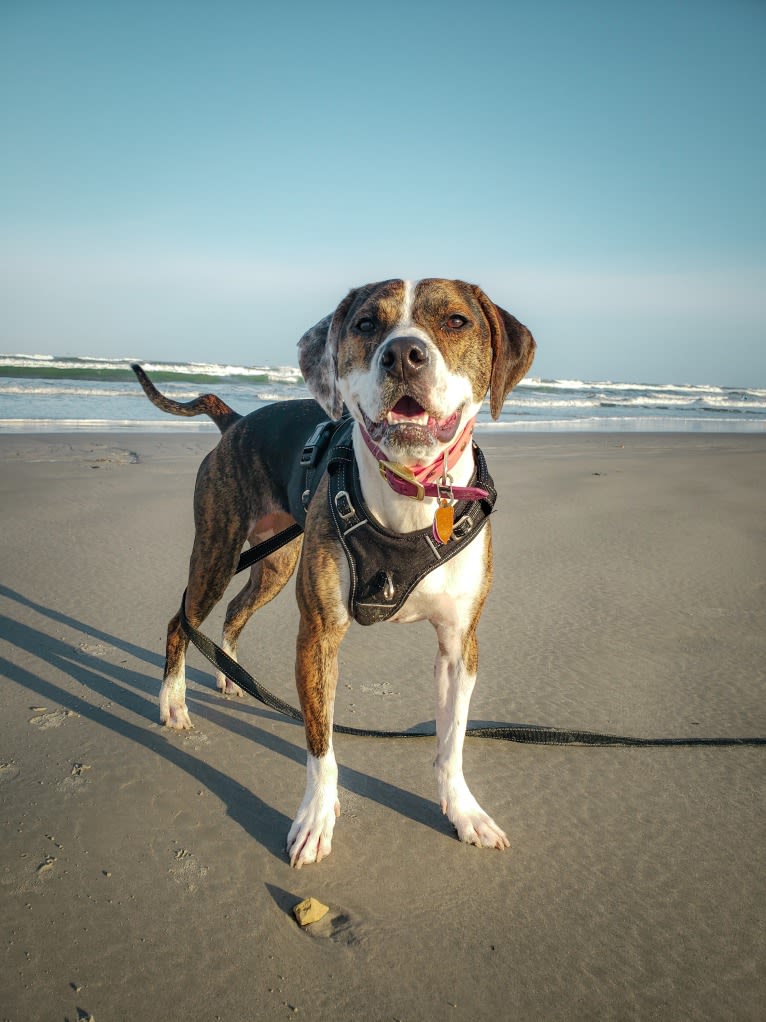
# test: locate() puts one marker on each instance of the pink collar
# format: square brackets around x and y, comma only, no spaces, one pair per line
[431,480]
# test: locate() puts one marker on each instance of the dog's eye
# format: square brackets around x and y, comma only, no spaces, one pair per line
[456,322]
[365,325]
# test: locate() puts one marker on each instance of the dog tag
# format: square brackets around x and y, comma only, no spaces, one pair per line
[444,519]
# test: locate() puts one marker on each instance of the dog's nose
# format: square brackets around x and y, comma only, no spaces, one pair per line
[403,356]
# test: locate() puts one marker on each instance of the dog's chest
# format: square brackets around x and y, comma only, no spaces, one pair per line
[386,569]
[448,594]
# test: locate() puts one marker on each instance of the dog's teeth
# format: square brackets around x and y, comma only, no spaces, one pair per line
[417,420]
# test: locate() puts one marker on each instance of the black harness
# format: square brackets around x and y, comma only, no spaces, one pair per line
[384,566]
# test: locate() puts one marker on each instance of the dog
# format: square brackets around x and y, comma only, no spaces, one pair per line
[411,362]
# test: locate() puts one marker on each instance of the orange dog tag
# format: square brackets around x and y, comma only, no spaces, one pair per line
[444,519]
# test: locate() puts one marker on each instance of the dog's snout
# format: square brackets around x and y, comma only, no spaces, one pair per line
[403,356]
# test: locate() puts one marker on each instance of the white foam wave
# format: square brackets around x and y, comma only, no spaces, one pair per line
[61,390]
[284,374]
[107,425]
[658,401]
[610,385]
[22,359]
[624,424]
[278,373]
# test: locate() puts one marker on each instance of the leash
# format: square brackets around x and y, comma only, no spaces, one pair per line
[529,734]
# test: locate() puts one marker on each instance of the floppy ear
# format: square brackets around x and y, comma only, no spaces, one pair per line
[318,358]
[513,348]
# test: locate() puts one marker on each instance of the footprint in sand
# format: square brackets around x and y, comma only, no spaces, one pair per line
[379,688]
[338,926]
[188,871]
[53,718]
[115,457]
[8,772]
[93,648]
[76,780]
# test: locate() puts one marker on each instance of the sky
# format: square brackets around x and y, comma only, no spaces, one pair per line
[202,182]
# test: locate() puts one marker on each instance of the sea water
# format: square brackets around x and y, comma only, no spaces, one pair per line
[44,393]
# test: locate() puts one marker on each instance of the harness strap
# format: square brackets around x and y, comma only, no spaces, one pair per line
[316,452]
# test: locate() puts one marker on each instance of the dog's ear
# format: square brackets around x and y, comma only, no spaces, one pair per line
[513,348]
[318,358]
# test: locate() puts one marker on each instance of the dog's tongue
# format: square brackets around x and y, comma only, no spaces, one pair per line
[408,411]
[407,408]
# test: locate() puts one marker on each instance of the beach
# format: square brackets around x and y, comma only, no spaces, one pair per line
[143,870]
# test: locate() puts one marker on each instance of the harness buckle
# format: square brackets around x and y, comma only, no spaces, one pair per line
[462,526]
[310,452]
[343,505]
[403,473]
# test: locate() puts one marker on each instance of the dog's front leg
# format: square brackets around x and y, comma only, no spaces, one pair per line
[324,622]
[455,673]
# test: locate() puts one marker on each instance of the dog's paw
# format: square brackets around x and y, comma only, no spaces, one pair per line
[310,837]
[177,717]
[473,825]
[173,710]
[477,828]
[226,686]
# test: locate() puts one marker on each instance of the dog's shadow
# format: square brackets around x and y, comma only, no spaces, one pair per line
[113,682]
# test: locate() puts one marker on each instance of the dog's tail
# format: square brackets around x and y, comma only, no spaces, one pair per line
[205,404]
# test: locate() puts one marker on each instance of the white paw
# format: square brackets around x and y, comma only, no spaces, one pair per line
[226,686]
[310,837]
[472,824]
[477,828]
[177,717]
[173,710]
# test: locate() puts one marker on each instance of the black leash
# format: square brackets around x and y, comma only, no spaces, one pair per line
[529,734]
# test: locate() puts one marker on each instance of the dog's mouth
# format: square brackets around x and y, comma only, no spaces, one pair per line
[408,423]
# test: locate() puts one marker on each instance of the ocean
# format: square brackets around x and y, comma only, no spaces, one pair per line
[45,393]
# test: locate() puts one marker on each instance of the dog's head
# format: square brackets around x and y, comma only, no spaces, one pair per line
[413,361]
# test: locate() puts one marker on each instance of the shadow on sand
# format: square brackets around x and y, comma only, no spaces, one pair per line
[108,681]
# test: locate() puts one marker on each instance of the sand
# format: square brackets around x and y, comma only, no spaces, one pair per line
[143,872]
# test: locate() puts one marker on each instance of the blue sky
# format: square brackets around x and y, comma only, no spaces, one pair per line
[186,180]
